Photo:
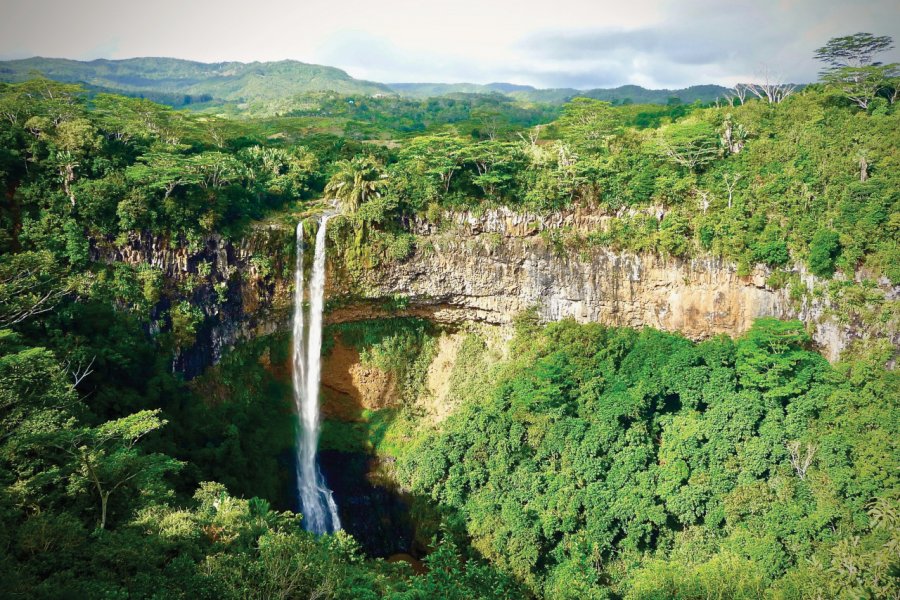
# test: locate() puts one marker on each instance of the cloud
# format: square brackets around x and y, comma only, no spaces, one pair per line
[705,42]
[681,47]
[568,43]
[378,58]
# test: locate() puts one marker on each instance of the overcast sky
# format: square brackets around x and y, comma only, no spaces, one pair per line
[546,43]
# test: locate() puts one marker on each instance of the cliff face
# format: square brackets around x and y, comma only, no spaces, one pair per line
[244,287]
[486,268]
[493,266]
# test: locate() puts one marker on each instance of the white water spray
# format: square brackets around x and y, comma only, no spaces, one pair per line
[316,501]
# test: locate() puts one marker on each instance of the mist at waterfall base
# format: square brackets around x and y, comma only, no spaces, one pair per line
[316,500]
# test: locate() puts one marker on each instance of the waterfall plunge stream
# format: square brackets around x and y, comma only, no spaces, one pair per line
[316,501]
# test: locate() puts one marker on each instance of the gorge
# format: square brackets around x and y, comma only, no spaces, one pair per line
[591,351]
[489,268]
[466,270]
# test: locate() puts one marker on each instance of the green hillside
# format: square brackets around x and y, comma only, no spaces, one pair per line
[626,93]
[179,82]
[228,81]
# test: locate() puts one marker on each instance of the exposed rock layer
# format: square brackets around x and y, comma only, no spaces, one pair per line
[492,267]
[244,288]
[485,268]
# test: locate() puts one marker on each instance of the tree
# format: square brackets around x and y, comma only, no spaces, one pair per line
[489,123]
[738,93]
[277,171]
[42,97]
[128,119]
[855,50]
[824,249]
[432,157]
[215,169]
[31,283]
[70,140]
[35,393]
[496,164]
[734,136]
[589,123]
[861,84]
[164,171]
[355,182]
[731,179]
[851,68]
[771,88]
[772,358]
[108,457]
[691,145]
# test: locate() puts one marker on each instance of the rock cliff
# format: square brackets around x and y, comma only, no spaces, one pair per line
[486,268]
[244,287]
[493,266]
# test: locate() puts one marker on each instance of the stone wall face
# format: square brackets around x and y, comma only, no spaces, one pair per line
[483,268]
[254,297]
[493,266]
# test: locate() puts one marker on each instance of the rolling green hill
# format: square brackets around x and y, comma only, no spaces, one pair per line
[226,81]
[633,93]
[179,82]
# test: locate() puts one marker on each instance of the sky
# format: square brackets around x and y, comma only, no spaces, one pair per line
[545,43]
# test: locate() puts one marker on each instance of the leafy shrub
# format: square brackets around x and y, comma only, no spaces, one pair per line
[824,249]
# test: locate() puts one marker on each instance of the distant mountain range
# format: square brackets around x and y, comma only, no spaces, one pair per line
[226,81]
[633,93]
[181,82]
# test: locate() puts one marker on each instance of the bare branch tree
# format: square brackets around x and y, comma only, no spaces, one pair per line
[772,89]
[730,180]
[739,93]
[703,199]
[534,134]
[802,463]
[79,371]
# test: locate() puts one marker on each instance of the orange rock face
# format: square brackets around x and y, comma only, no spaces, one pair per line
[349,387]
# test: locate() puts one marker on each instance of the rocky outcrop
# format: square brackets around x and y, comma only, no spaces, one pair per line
[493,266]
[483,268]
[243,287]
[349,387]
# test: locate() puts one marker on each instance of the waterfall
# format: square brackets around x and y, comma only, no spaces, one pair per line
[316,501]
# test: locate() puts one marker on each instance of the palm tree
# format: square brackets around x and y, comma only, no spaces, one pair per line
[355,182]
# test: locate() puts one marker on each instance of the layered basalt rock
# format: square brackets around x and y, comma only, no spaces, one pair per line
[486,268]
[493,266]
[243,287]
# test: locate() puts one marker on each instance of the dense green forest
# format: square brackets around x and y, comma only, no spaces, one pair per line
[590,462]
[604,462]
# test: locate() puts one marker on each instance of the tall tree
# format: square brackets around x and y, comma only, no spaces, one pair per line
[108,458]
[355,182]
[857,50]
[851,66]
[589,123]
[691,145]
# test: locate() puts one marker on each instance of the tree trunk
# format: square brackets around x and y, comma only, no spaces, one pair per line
[104,500]
[68,179]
